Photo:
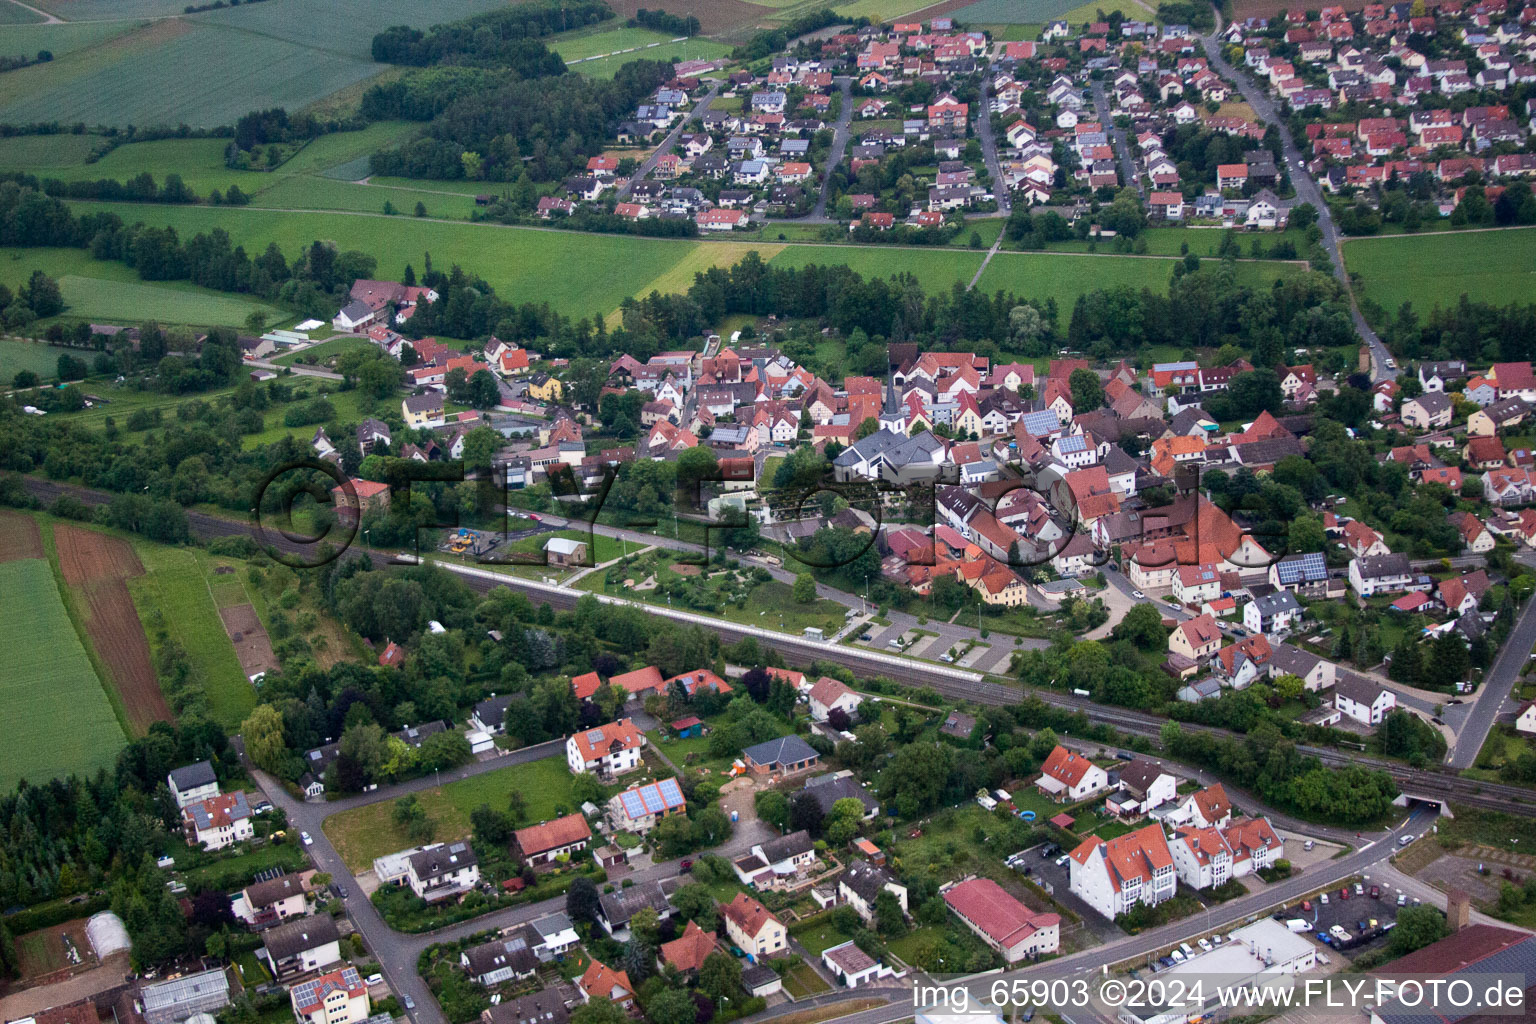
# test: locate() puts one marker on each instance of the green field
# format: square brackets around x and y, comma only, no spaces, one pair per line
[208,69]
[937,269]
[173,595]
[15,14]
[1437,269]
[106,290]
[364,833]
[39,152]
[62,39]
[583,44]
[46,670]
[697,48]
[321,192]
[42,360]
[1065,277]
[1015,12]
[885,10]
[578,274]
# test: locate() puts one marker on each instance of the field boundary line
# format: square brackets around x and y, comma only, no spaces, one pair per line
[77,621]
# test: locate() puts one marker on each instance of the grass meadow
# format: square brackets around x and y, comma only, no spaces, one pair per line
[1437,269]
[46,669]
[174,599]
[106,290]
[1064,277]
[15,356]
[364,833]
[578,274]
[204,69]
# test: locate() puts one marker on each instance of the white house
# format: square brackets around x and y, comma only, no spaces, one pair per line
[302,945]
[852,966]
[1068,778]
[192,784]
[1525,718]
[1364,700]
[1196,584]
[611,749]
[1205,808]
[1144,785]
[1201,857]
[777,862]
[1134,868]
[828,693]
[1272,614]
[1254,843]
[339,997]
[861,885]
[442,871]
[1380,574]
[502,959]
[752,928]
[218,821]
[276,899]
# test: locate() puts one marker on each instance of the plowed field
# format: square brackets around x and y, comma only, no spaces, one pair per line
[98,568]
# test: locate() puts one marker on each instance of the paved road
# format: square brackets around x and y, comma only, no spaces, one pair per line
[649,163]
[1306,190]
[299,369]
[840,135]
[1117,139]
[988,139]
[1131,948]
[1498,683]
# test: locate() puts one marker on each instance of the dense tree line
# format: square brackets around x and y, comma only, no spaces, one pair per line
[64,837]
[660,21]
[536,119]
[491,38]
[770,41]
[141,188]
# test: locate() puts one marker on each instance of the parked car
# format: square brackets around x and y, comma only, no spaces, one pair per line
[1204,944]
[1359,889]
[410,1004]
[1138,595]
[1375,892]
[307,839]
[1402,899]
[685,866]
[1308,845]
[1306,905]
[1344,893]
[1323,899]
[1405,840]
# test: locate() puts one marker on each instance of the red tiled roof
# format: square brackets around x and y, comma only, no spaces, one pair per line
[991,909]
[552,835]
[750,915]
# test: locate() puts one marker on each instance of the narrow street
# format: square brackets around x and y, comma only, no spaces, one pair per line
[988,139]
[1128,170]
[840,134]
[649,163]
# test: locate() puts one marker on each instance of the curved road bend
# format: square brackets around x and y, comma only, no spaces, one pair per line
[649,163]
[1306,190]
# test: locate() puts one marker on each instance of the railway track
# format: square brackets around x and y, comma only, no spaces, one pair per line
[946,680]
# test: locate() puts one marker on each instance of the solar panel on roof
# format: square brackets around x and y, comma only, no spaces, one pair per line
[595,736]
[1310,566]
[670,790]
[1073,443]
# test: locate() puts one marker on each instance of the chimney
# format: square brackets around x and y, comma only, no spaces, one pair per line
[1458,909]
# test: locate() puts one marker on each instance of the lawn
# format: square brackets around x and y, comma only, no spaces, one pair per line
[210,68]
[42,360]
[46,671]
[819,933]
[579,274]
[601,548]
[1437,269]
[1201,241]
[174,598]
[323,351]
[766,605]
[364,833]
[15,14]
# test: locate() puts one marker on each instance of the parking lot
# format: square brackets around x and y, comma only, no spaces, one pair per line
[1348,913]
[1055,879]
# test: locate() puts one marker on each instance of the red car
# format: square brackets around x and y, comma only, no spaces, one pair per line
[1344,893]
[686,866]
